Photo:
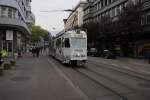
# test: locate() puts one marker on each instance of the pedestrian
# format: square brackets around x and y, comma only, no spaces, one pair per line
[1,61]
[37,51]
[19,53]
[33,51]
[41,50]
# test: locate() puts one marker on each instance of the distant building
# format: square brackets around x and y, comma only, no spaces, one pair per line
[75,18]
[16,19]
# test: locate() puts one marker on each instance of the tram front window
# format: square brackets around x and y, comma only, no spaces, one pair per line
[78,43]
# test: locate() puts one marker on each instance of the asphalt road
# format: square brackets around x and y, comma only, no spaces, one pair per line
[44,78]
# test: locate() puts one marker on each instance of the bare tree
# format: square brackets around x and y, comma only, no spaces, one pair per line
[129,25]
[130,18]
[92,32]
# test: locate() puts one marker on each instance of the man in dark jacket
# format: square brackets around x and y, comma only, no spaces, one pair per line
[37,51]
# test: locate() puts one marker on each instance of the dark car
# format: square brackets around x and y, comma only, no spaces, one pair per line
[108,54]
[93,52]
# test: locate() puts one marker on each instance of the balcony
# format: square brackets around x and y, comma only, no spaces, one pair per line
[146,5]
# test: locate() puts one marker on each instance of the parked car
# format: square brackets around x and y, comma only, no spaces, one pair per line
[108,54]
[93,52]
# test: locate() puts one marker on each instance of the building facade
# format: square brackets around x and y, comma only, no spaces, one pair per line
[16,19]
[96,9]
[75,18]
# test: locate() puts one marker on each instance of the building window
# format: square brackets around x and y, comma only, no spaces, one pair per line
[109,1]
[19,16]
[102,4]
[143,20]
[148,19]
[118,8]
[0,12]
[4,12]
[14,13]
[116,11]
[113,12]
[10,11]
[105,2]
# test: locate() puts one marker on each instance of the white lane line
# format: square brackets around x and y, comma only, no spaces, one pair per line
[144,71]
[114,64]
[62,74]
[124,67]
[128,68]
[139,64]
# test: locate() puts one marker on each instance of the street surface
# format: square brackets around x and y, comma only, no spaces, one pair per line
[44,78]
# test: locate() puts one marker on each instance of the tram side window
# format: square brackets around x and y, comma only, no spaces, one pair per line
[67,44]
[58,42]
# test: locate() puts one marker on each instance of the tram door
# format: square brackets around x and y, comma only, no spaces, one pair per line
[8,46]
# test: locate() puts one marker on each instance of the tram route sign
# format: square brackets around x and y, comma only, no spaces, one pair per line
[9,35]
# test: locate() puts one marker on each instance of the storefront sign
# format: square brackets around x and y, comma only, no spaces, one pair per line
[9,35]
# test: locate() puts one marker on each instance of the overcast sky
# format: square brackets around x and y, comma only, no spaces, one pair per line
[51,20]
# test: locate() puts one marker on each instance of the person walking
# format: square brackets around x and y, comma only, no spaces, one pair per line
[33,51]
[37,51]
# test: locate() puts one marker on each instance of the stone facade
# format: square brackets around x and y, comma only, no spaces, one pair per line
[75,19]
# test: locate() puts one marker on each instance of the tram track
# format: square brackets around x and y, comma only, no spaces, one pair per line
[121,70]
[124,93]
[101,84]
[109,80]
[86,74]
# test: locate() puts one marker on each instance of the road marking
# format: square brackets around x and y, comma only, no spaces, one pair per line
[139,64]
[144,71]
[128,68]
[62,74]
[104,62]
[114,64]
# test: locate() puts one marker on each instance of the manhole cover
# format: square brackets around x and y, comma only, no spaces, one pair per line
[20,78]
[145,85]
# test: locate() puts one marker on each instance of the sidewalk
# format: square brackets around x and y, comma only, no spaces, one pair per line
[34,78]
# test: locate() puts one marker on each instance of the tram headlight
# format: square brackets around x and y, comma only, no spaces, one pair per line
[78,54]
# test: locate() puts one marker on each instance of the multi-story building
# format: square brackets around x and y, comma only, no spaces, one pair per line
[15,21]
[75,18]
[146,16]
[95,9]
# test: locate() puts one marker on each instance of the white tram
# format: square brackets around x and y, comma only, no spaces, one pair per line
[70,47]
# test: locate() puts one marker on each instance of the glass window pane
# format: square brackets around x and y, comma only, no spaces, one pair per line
[10,12]
[4,12]
[78,43]
[148,19]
